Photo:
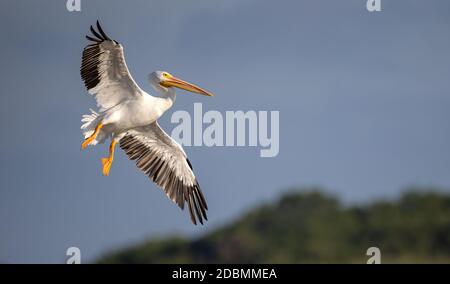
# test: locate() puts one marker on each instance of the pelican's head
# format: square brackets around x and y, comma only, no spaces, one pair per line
[163,80]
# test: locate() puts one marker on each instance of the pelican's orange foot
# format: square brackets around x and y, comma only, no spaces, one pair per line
[106,162]
[87,141]
[91,138]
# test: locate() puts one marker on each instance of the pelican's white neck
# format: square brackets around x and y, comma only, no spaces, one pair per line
[169,95]
[166,96]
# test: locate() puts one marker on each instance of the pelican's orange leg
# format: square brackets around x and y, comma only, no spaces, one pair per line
[107,162]
[91,138]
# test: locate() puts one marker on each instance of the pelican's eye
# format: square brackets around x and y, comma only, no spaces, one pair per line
[165,75]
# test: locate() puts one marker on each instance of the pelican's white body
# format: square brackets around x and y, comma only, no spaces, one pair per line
[138,110]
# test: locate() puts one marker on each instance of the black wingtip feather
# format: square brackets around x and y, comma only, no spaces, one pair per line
[197,209]
[191,209]
[92,39]
[98,35]
[95,33]
[197,204]
[201,205]
[189,163]
[202,198]
[101,31]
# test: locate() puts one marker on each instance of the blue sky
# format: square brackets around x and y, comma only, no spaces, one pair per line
[363,98]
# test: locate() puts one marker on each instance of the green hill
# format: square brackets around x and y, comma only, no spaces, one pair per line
[312,227]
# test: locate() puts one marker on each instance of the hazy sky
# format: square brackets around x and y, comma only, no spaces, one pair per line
[363,98]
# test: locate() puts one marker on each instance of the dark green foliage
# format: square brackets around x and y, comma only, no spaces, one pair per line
[312,227]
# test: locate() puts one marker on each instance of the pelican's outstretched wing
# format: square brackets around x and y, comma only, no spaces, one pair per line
[105,72]
[165,162]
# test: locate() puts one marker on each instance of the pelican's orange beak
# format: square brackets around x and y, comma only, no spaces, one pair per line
[171,81]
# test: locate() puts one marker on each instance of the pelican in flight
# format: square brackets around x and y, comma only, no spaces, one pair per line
[128,115]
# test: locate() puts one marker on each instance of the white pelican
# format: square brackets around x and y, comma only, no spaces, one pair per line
[128,115]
